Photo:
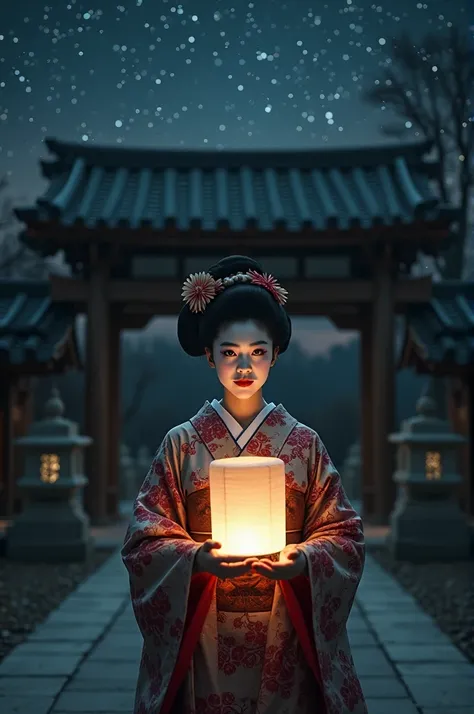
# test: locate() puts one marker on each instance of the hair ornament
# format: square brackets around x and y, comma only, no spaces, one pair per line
[271,284]
[200,288]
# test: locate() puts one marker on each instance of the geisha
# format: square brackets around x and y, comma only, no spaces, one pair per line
[223,634]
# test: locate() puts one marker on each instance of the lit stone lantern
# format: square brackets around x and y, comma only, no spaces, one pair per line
[248,509]
[52,526]
[351,473]
[427,523]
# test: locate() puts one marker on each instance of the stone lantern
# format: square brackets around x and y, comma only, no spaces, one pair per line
[427,523]
[351,473]
[52,526]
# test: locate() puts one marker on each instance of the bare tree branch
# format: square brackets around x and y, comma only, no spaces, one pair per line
[429,86]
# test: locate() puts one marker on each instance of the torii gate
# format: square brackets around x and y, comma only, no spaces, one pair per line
[341,228]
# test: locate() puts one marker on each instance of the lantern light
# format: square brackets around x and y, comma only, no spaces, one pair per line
[427,523]
[248,508]
[49,468]
[433,469]
[52,526]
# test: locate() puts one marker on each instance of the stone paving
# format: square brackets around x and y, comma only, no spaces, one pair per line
[84,658]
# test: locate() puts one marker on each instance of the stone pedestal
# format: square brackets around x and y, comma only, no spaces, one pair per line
[421,534]
[427,523]
[53,526]
[50,532]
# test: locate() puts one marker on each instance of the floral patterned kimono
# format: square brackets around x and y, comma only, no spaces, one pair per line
[247,645]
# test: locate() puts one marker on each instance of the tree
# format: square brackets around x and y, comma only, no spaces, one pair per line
[428,86]
[16,260]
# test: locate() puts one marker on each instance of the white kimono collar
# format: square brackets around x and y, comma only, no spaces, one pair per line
[242,436]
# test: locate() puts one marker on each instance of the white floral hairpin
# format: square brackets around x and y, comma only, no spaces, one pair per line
[200,288]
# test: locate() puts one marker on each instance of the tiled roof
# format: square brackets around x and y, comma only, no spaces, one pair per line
[33,329]
[235,190]
[443,329]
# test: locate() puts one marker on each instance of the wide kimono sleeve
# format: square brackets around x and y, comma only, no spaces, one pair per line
[169,601]
[333,542]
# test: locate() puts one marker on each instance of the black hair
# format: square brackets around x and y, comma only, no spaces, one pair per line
[239,302]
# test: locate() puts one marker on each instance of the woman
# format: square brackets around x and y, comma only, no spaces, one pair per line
[224,635]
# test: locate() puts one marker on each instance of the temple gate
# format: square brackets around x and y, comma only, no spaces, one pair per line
[340,228]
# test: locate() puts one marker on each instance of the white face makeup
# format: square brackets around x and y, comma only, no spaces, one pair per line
[243,355]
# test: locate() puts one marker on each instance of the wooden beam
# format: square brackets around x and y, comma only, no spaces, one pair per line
[136,321]
[115,414]
[65,289]
[138,315]
[426,235]
[300,292]
[345,322]
[412,290]
[304,295]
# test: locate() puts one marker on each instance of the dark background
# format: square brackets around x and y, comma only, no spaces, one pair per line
[75,70]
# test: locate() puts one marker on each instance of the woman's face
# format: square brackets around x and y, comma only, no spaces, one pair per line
[242,354]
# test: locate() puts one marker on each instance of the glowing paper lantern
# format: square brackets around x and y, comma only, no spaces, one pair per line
[248,508]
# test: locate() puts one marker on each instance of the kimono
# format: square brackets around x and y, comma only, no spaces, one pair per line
[246,645]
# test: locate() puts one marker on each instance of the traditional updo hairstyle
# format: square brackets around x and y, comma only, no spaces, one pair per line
[237,303]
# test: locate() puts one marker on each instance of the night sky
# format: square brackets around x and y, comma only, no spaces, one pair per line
[197,74]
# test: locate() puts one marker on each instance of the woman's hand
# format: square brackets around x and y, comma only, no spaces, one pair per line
[222,566]
[291,564]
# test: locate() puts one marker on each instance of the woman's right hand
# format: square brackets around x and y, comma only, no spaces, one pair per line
[222,566]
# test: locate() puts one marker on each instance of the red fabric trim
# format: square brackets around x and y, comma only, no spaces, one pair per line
[200,597]
[297,596]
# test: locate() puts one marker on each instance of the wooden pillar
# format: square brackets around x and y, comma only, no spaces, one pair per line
[97,394]
[7,475]
[383,386]
[470,437]
[368,485]
[115,414]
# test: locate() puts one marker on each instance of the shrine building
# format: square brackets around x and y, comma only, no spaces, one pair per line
[341,229]
[439,340]
[37,337]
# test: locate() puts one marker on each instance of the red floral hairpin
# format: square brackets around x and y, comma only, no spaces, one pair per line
[270,283]
[200,288]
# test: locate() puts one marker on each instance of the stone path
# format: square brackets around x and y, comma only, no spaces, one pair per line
[84,658]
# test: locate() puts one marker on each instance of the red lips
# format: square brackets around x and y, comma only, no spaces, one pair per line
[243,382]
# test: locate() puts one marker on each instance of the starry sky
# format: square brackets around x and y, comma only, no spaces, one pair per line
[203,73]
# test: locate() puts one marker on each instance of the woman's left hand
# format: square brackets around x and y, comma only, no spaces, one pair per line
[291,564]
